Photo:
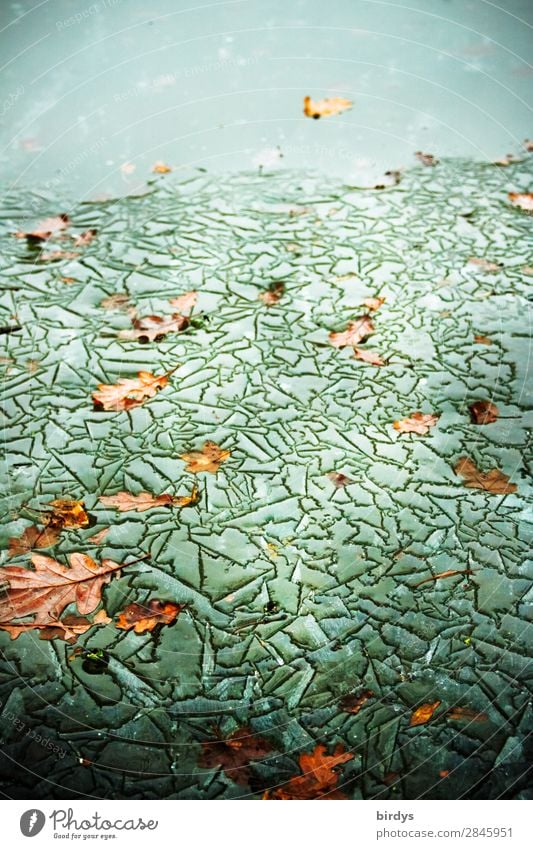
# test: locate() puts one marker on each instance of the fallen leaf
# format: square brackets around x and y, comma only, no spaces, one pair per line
[85,238]
[392,178]
[339,479]
[46,229]
[45,591]
[68,280]
[326,107]
[450,573]
[125,501]
[484,412]
[67,629]
[234,753]
[426,159]
[508,159]
[187,500]
[356,331]
[482,340]
[161,168]
[54,256]
[528,145]
[485,264]
[524,200]
[423,713]
[129,392]
[460,713]
[68,513]
[99,537]
[153,327]
[33,537]
[33,366]
[208,459]
[374,303]
[119,301]
[184,303]
[416,423]
[273,294]
[493,481]
[147,617]
[371,357]
[319,776]
[355,701]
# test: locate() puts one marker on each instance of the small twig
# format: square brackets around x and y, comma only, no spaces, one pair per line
[449,574]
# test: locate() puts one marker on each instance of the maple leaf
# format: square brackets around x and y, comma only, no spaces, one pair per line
[161,168]
[426,159]
[355,332]
[482,340]
[353,702]
[45,591]
[326,107]
[46,229]
[85,238]
[423,713]
[373,303]
[147,617]
[129,392]
[460,713]
[493,481]
[416,423]
[319,776]
[340,480]
[484,412]
[34,537]
[273,294]
[371,357]
[153,327]
[208,459]
[185,303]
[125,501]
[234,753]
[524,200]
[485,264]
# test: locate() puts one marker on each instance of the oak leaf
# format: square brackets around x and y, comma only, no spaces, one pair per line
[371,357]
[326,107]
[493,481]
[184,303]
[129,392]
[484,412]
[423,713]
[208,459]
[153,327]
[125,501]
[69,628]
[234,753]
[416,423]
[45,591]
[146,617]
[355,332]
[319,776]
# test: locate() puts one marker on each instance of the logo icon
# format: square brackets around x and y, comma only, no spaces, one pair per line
[32,822]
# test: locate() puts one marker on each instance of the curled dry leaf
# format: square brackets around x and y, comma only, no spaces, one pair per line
[85,238]
[493,481]
[423,713]
[326,107]
[45,591]
[69,628]
[208,459]
[484,412]
[371,357]
[125,501]
[355,701]
[450,573]
[161,168]
[129,392]
[356,331]
[234,753]
[68,513]
[184,303]
[273,294]
[426,159]
[374,303]
[319,776]
[146,617]
[416,423]
[482,340]
[485,264]
[46,229]
[524,200]
[464,713]
[34,537]
[153,327]
[340,480]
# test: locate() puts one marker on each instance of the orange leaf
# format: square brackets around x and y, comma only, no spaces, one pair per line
[272,295]
[354,702]
[370,357]
[524,200]
[129,392]
[373,303]
[46,229]
[208,459]
[33,537]
[146,617]
[161,168]
[484,412]
[153,327]
[85,238]
[423,713]
[460,713]
[326,107]
[319,776]
[416,423]
[493,481]
[184,303]
[355,332]
[67,629]
[482,340]
[234,753]
[68,513]
[125,501]
[450,573]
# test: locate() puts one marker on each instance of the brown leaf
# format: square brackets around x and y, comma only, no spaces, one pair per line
[34,537]
[356,331]
[326,107]
[129,392]
[46,229]
[426,159]
[161,168]
[125,501]
[119,301]
[450,573]
[85,238]
[508,159]
[319,776]
[45,591]
[273,294]
[484,412]
[208,459]
[371,357]
[234,754]
[493,481]
[68,513]
[460,713]
[54,256]
[482,340]
[339,479]
[355,701]
[146,617]
[485,264]
[184,303]
[423,713]
[528,145]
[524,200]
[416,423]
[153,327]
[67,629]
[374,303]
